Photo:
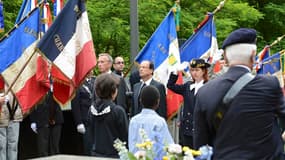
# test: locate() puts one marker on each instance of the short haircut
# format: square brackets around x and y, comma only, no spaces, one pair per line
[149,97]
[240,52]
[107,55]
[151,65]
[106,85]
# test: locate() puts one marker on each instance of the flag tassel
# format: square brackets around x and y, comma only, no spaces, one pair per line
[176,9]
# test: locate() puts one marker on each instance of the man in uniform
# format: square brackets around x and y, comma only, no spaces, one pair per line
[246,127]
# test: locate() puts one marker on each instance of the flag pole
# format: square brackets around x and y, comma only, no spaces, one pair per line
[277,40]
[128,70]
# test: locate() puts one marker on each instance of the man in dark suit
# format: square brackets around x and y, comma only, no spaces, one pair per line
[119,66]
[245,128]
[80,106]
[105,62]
[146,71]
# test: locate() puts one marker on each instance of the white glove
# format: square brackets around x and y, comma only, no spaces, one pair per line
[283,136]
[81,128]
[34,127]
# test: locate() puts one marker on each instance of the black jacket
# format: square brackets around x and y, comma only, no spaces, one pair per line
[48,110]
[137,107]
[108,122]
[187,112]
[82,101]
[249,128]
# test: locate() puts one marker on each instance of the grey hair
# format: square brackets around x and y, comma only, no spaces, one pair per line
[107,55]
[240,53]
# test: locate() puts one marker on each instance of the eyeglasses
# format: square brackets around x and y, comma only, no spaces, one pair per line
[119,63]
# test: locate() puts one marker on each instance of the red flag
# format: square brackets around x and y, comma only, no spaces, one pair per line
[2,83]
[174,100]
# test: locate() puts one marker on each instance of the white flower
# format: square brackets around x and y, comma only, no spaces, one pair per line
[140,154]
[188,157]
[175,148]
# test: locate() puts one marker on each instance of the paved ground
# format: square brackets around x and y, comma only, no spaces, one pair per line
[71,157]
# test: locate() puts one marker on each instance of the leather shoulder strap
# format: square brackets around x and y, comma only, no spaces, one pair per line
[229,96]
[236,87]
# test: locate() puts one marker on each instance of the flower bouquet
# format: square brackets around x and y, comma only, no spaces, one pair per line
[173,151]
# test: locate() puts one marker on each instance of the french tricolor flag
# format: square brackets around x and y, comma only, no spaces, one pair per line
[68,45]
[46,17]
[264,54]
[57,7]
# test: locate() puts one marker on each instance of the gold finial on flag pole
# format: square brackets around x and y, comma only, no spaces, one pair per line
[277,40]
[220,6]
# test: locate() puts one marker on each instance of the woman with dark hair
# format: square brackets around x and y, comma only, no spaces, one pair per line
[199,74]
[108,120]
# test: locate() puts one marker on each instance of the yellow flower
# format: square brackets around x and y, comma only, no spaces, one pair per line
[146,144]
[195,152]
[164,158]
[192,151]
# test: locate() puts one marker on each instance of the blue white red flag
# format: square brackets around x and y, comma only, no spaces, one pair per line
[202,44]
[162,49]
[265,53]
[18,61]
[57,7]
[27,6]
[272,66]
[46,17]
[68,45]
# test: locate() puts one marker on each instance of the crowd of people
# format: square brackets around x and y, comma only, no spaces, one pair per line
[239,114]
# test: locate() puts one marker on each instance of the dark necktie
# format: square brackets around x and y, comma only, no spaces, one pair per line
[139,97]
[193,91]
[142,86]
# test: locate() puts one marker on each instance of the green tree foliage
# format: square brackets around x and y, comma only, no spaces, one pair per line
[109,20]
[11,9]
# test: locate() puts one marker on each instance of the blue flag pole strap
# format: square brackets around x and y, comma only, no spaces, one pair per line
[1,17]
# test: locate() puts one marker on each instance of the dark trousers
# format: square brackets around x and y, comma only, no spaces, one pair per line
[185,140]
[48,140]
[87,141]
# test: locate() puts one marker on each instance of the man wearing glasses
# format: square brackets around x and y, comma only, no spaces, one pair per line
[119,66]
